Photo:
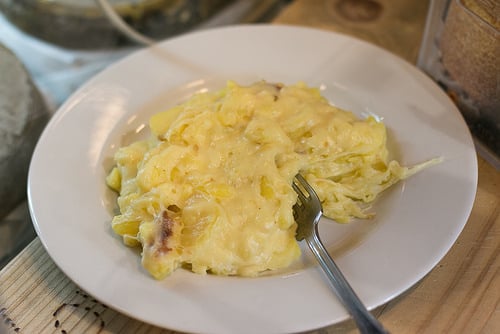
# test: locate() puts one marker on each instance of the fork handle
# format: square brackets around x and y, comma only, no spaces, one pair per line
[365,321]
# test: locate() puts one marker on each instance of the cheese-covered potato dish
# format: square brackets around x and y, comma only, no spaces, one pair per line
[211,191]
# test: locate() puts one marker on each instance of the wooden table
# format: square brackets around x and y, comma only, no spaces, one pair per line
[460,295]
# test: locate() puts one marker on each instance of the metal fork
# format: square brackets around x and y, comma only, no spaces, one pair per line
[307,212]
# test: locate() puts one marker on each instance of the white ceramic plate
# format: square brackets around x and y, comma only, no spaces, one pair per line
[417,221]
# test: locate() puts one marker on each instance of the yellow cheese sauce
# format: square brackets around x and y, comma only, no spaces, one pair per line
[211,189]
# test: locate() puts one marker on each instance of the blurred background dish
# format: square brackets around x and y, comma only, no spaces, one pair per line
[81,24]
[23,115]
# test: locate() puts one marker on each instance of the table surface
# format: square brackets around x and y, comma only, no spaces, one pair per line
[460,295]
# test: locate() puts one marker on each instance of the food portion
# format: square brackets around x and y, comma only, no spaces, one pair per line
[210,190]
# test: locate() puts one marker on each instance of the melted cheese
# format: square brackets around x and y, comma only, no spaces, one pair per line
[211,189]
